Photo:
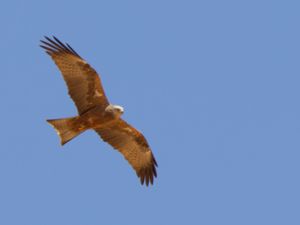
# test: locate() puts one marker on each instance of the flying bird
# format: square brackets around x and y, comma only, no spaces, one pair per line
[95,112]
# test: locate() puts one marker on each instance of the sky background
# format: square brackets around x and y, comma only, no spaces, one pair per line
[213,85]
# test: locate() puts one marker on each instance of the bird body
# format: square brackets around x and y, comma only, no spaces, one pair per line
[95,112]
[95,118]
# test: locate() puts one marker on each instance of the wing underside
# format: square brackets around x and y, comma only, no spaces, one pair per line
[133,146]
[84,84]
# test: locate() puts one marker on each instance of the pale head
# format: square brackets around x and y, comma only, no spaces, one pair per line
[115,109]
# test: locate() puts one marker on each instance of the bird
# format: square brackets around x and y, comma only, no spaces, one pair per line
[96,112]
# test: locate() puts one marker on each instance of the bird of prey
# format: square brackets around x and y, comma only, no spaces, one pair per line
[95,112]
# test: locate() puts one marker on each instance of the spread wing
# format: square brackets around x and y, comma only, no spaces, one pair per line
[134,147]
[83,82]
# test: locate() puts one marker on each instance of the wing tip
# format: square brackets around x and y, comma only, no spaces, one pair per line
[55,46]
[147,174]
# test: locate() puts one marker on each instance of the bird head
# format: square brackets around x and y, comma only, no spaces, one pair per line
[118,109]
[115,109]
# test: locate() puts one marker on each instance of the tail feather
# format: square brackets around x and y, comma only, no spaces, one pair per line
[67,128]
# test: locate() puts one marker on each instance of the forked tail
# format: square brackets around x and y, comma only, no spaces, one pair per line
[66,128]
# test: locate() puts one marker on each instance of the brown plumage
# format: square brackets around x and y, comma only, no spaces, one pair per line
[95,111]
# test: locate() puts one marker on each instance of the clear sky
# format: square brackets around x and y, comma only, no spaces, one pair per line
[213,85]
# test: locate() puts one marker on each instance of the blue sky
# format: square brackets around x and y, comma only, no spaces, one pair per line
[213,85]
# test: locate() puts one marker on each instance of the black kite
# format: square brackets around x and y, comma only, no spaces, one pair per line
[95,112]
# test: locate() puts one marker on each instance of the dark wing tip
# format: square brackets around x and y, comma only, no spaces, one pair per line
[148,173]
[154,160]
[55,46]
